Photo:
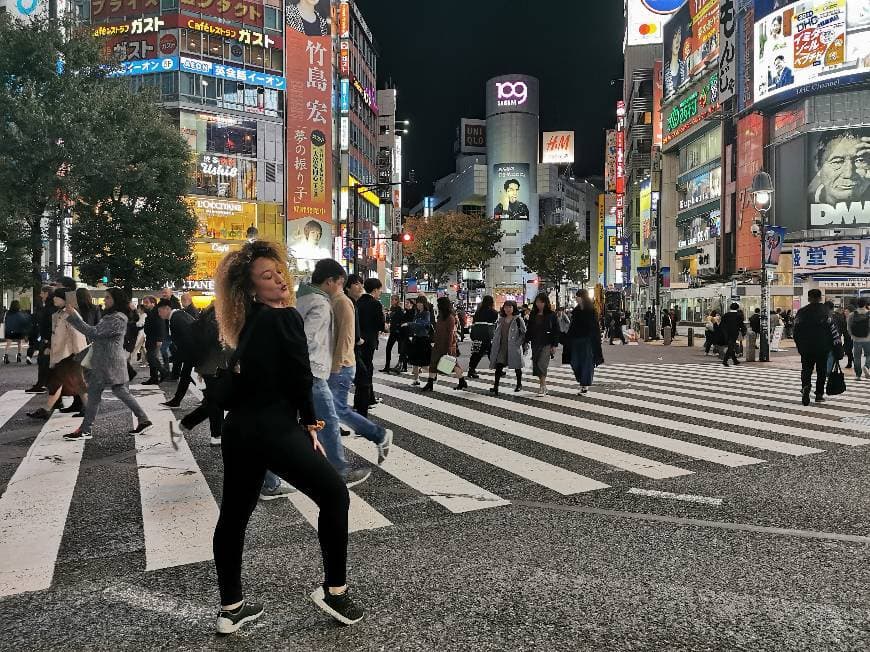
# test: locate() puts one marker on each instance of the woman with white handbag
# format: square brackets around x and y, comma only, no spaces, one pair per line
[445,349]
[66,350]
[508,345]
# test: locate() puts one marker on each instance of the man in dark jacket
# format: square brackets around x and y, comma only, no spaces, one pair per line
[734,326]
[155,333]
[755,321]
[397,318]
[371,324]
[182,346]
[41,337]
[187,305]
[816,337]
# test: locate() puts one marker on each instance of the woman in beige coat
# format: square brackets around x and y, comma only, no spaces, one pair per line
[65,376]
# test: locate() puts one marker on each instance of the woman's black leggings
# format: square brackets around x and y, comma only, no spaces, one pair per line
[253,441]
[499,372]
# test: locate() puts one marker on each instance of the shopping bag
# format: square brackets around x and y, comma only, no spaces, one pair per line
[446,364]
[836,381]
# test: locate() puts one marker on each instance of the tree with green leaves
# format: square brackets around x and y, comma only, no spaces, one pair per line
[557,255]
[72,138]
[42,111]
[446,242]
[132,224]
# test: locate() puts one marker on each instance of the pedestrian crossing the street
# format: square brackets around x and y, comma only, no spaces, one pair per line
[459,452]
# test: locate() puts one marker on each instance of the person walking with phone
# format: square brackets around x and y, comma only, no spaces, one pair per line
[272,425]
[445,344]
[543,336]
[508,345]
[107,363]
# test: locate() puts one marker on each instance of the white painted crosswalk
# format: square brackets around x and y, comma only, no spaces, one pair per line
[460,452]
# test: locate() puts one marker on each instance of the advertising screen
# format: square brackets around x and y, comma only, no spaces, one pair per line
[309,240]
[809,45]
[512,184]
[839,177]
[644,20]
[691,43]
[309,73]
[702,188]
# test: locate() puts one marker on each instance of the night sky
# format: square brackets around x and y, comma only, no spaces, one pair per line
[439,54]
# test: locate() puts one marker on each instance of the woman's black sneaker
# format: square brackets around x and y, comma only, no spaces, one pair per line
[41,413]
[340,607]
[141,428]
[230,621]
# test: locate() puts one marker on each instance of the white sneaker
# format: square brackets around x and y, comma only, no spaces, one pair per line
[384,446]
[215,441]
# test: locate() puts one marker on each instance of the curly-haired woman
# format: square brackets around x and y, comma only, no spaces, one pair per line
[253,299]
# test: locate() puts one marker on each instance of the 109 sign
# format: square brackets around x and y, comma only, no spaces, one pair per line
[511,93]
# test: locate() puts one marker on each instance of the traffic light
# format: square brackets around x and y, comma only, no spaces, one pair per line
[403,237]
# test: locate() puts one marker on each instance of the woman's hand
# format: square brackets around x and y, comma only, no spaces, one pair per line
[312,431]
[70,310]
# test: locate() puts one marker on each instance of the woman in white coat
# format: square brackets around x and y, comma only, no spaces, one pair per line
[508,345]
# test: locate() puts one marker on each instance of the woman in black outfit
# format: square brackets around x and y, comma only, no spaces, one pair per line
[272,425]
[543,334]
[483,326]
[585,341]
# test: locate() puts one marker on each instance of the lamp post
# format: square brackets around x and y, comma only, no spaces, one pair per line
[762,197]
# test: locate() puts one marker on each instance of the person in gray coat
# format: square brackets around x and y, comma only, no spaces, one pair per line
[508,345]
[106,363]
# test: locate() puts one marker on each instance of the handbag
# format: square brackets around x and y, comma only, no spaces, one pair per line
[226,387]
[84,356]
[836,381]
[446,364]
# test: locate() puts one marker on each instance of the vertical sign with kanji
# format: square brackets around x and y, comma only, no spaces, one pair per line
[727,49]
[308,70]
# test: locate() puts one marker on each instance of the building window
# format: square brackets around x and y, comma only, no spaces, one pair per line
[272,19]
[166,5]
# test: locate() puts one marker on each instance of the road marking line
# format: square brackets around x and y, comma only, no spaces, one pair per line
[456,494]
[34,508]
[689,498]
[596,452]
[179,512]
[648,439]
[361,515]
[671,424]
[11,402]
[543,473]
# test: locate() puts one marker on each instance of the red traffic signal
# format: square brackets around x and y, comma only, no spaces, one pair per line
[404,237]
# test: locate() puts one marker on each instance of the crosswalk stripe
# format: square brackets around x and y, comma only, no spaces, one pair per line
[34,508]
[773,426]
[693,389]
[648,439]
[783,388]
[456,494]
[756,411]
[361,515]
[603,454]
[10,403]
[543,473]
[179,512]
[669,423]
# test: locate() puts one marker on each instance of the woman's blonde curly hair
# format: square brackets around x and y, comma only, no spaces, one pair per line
[234,289]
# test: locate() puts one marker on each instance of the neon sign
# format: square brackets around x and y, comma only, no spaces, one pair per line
[511,93]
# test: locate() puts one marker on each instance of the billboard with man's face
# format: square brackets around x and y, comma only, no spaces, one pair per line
[512,188]
[839,178]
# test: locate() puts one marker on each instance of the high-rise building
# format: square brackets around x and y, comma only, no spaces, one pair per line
[219,70]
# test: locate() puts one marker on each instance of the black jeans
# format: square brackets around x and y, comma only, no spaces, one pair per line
[731,352]
[42,367]
[819,362]
[253,440]
[184,380]
[708,340]
[365,393]
[206,410]
[391,342]
[499,372]
[155,365]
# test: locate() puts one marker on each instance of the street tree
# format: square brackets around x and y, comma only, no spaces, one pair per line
[132,224]
[42,111]
[451,241]
[557,255]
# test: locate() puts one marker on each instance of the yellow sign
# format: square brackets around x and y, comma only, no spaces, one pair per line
[222,219]
[369,195]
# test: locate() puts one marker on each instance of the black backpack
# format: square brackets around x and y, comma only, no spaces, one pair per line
[861,324]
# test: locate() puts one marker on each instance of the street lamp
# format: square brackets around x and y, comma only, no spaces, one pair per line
[762,198]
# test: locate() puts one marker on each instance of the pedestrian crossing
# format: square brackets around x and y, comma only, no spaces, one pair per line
[457,452]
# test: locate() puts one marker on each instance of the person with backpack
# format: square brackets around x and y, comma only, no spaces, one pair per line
[180,323]
[209,356]
[817,338]
[859,331]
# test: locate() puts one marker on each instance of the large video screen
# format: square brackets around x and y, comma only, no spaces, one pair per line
[809,45]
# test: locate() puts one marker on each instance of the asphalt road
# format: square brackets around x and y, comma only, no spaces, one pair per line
[679,506]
